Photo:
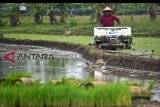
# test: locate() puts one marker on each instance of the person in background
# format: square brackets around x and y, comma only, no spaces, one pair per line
[107,20]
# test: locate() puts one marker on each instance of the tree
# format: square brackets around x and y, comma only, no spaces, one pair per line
[2,23]
[39,9]
[15,15]
[52,17]
[152,12]
[98,7]
[63,8]
[97,11]
[131,8]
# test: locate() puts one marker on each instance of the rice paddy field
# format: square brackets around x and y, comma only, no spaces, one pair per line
[139,43]
[67,94]
[140,23]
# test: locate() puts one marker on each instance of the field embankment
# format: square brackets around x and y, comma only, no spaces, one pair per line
[92,54]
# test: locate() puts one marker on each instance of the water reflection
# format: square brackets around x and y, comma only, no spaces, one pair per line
[59,67]
[113,78]
[47,69]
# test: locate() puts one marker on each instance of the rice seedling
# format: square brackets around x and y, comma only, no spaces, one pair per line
[11,77]
[9,97]
[31,96]
[57,96]
[65,95]
[151,85]
[113,95]
[82,97]
[70,39]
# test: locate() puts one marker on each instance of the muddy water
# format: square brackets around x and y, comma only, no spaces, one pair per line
[58,64]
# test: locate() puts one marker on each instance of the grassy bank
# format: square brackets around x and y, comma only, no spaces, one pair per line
[140,23]
[139,43]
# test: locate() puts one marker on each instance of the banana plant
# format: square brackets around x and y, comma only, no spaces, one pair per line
[52,17]
[38,10]
[97,11]
[2,22]
[152,12]
[64,14]
[14,14]
[98,7]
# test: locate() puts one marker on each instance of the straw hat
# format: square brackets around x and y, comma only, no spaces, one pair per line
[107,9]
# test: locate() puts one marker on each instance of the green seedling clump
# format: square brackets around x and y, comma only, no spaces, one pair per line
[11,77]
[65,95]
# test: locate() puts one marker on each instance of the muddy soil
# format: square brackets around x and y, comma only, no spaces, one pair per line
[132,73]
[138,34]
[93,54]
[145,103]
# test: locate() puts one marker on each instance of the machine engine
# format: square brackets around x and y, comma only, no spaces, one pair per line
[112,37]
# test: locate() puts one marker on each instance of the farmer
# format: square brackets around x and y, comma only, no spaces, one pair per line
[107,20]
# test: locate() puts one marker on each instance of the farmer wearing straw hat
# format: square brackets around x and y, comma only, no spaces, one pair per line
[107,20]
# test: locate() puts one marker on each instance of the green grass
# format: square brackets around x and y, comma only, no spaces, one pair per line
[139,43]
[65,95]
[72,39]
[11,77]
[147,43]
[141,23]
[142,44]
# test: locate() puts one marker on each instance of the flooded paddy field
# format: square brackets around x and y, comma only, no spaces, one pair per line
[59,64]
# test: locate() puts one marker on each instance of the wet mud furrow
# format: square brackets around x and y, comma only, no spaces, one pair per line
[138,34]
[93,54]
